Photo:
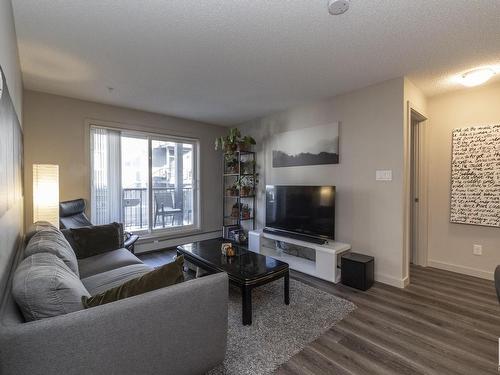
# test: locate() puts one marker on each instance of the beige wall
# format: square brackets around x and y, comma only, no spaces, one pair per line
[369,213]
[9,56]
[450,245]
[55,134]
[11,223]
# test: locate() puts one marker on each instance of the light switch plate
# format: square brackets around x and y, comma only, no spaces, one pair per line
[383,175]
[477,249]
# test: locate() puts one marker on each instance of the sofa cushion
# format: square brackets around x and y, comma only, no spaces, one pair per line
[51,240]
[103,281]
[106,262]
[97,239]
[167,275]
[44,286]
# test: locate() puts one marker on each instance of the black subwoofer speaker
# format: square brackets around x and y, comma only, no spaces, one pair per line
[357,270]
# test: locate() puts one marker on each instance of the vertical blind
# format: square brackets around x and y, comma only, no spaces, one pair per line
[105,175]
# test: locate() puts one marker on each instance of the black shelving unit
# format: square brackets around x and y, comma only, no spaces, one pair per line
[238,166]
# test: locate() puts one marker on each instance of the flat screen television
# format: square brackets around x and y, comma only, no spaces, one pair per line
[304,211]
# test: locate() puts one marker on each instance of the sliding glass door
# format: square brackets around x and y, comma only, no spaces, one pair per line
[172,182]
[148,182]
[135,182]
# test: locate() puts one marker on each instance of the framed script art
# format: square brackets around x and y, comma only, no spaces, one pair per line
[475,176]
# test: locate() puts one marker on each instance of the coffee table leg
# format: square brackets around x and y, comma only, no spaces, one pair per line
[287,288]
[246,294]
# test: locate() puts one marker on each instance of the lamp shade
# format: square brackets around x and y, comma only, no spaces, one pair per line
[46,193]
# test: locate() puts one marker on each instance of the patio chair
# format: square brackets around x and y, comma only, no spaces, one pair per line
[164,207]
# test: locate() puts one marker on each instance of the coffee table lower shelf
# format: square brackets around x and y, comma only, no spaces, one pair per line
[245,285]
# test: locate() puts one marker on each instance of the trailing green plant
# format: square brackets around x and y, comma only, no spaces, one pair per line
[247,184]
[246,143]
[234,142]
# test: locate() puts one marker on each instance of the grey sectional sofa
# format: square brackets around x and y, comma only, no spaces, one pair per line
[180,329]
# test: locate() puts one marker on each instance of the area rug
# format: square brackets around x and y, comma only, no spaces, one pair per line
[277,331]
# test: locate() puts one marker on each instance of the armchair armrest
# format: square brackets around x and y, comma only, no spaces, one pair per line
[130,240]
[181,329]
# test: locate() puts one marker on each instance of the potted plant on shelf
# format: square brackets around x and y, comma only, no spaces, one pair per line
[234,142]
[232,191]
[246,143]
[246,212]
[246,185]
[248,167]
[231,164]
[235,211]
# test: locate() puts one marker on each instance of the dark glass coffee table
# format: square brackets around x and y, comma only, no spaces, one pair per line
[246,270]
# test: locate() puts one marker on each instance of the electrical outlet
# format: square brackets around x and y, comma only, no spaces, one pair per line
[477,249]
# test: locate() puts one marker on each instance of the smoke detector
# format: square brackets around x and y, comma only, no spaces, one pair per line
[336,7]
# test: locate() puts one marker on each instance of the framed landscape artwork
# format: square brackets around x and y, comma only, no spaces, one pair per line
[317,145]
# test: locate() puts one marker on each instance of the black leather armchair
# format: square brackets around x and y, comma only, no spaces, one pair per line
[72,215]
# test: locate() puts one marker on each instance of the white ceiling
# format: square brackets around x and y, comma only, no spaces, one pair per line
[227,61]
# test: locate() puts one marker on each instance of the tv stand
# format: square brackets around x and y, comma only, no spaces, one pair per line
[296,236]
[326,266]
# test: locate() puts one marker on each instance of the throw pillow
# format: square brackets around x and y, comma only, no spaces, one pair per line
[167,275]
[51,240]
[97,239]
[43,286]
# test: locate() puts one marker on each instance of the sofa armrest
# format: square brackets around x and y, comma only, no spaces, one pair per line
[178,330]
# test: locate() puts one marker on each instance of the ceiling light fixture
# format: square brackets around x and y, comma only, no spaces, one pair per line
[336,7]
[476,77]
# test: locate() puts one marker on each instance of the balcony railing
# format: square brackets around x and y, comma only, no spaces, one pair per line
[174,211]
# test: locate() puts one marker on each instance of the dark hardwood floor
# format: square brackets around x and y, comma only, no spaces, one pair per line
[442,323]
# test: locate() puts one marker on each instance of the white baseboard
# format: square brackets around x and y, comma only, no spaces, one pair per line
[163,244]
[406,281]
[460,269]
[390,280]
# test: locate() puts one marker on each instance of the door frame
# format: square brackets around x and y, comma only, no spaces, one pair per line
[423,207]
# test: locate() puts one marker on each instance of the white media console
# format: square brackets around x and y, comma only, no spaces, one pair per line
[326,266]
